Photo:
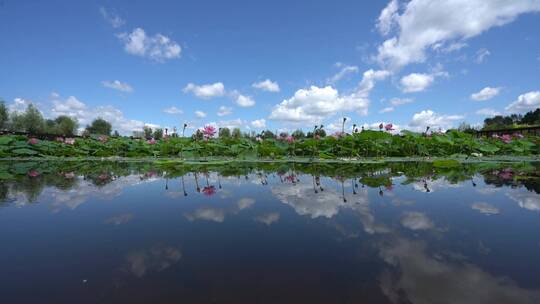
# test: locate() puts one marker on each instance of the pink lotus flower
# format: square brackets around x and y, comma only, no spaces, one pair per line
[506,174]
[69,175]
[209,190]
[317,137]
[495,136]
[69,141]
[389,127]
[259,139]
[290,178]
[59,139]
[151,141]
[33,141]
[289,139]
[33,173]
[209,131]
[103,138]
[103,176]
[506,138]
[518,135]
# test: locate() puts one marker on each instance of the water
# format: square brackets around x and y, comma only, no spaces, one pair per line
[269,233]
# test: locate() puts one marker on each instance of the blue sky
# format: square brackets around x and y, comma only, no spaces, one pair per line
[276,65]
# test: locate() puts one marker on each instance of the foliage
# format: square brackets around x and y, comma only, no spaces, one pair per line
[513,120]
[100,127]
[356,145]
[4,115]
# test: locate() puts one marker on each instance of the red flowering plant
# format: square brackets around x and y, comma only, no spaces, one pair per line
[209,190]
[209,131]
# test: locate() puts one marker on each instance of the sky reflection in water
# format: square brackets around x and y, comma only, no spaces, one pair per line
[270,233]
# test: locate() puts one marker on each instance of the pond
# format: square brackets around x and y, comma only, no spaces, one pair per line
[138,232]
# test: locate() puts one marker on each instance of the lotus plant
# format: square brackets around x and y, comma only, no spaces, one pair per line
[33,141]
[209,131]
[33,173]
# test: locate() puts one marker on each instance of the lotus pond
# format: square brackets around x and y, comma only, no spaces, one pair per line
[269,232]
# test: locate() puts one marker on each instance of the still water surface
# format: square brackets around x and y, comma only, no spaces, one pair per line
[269,233]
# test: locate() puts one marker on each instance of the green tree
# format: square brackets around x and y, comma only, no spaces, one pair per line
[158,134]
[4,115]
[236,133]
[30,121]
[298,134]
[66,125]
[147,132]
[224,133]
[268,134]
[99,127]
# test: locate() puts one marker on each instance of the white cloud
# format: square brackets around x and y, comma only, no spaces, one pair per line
[77,109]
[387,17]
[19,105]
[268,218]
[429,118]
[243,101]
[481,55]
[117,85]
[207,214]
[267,85]
[487,112]
[173,110]
[416,221]
[259,123]
[158,47]
[223,111]
[206,91]
[400,101]
[526,200]
[525,102]
[112,18]
[423,24]
[485,208]
[486,94]
[386,110]
[345,71]
[315,104]
[200,114]
[416,82]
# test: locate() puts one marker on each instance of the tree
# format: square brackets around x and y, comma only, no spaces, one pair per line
[531,117]
[224,133]
[99,127]
[298,134]
[268,135]
[116,134]
[147,132]
[66,125]
[236,133]
[4,115]
[30,121]
[158,134]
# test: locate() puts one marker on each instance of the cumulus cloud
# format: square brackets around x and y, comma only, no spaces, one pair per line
[400,101]
[487,112]
[416,221]
[173,110]
[417,275]
[155,259]
[224,111]
[421,25]
[344,72]
[485,208]
[314,104]
[117,85]
[200,114]
[267,85]
[77,109]
[206,91]
[259,123]
[525,102]
[486,94]
[113,19]
[386,110]
[242,100]
[526,200]
[19,105]
[158,47]
[481,55]
[416,82]
[387,18]
[268,218]
[429,118]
